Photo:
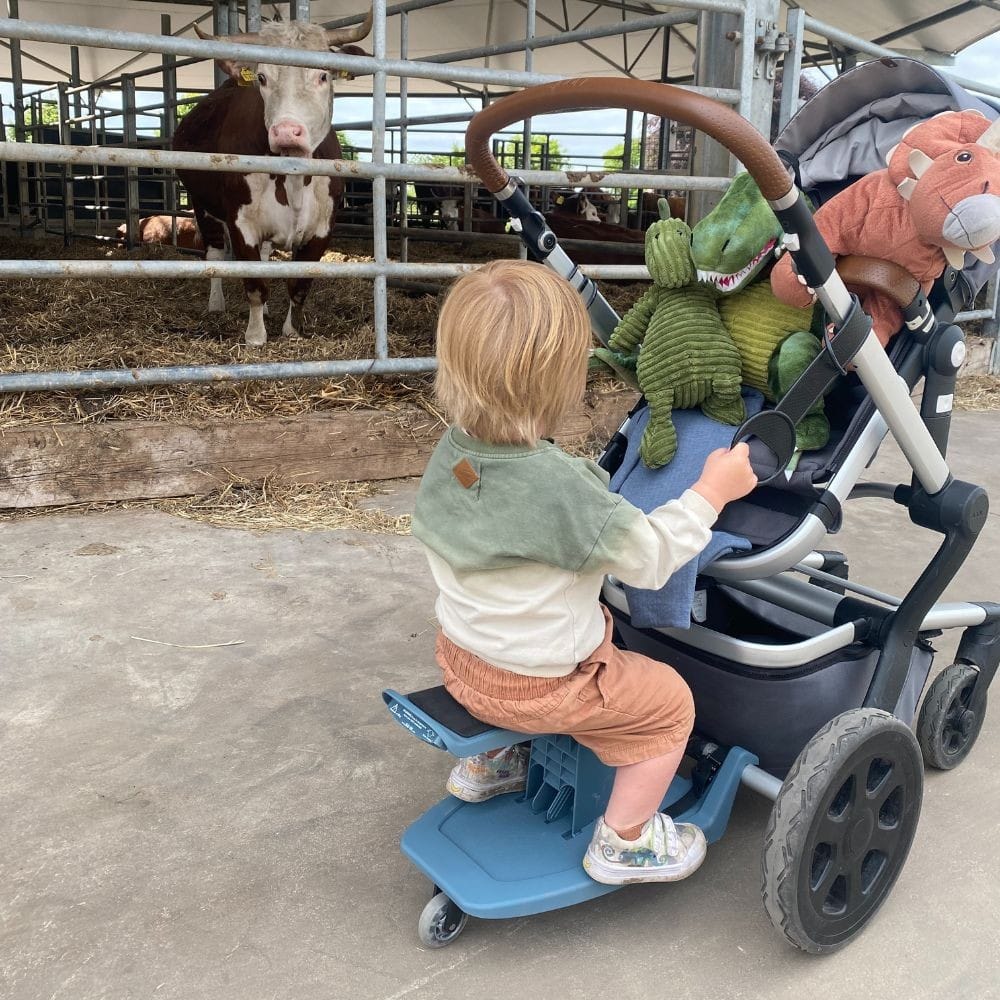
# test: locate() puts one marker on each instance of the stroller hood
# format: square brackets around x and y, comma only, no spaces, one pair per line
[848,128]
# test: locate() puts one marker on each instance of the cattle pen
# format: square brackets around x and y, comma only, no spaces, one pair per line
[81,175]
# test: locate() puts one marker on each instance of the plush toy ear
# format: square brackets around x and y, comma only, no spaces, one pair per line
[991,137]
[664,208]
[955,257]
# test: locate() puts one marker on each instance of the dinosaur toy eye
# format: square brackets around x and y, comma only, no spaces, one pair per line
[964,157]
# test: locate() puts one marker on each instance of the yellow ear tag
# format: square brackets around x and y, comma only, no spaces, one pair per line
[560,200]
[246,77]
[343,74]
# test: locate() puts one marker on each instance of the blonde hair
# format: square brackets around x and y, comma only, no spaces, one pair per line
[512,346]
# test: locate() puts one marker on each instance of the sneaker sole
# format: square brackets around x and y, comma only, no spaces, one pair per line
[477,793]
[606,874]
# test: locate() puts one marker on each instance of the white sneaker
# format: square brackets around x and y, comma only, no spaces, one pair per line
[663,852]
[475,779]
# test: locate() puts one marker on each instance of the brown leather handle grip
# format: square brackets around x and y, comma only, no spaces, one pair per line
[661,99]
[880,276]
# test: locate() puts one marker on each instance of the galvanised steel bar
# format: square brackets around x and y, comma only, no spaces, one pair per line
[17,82]
[276,270]
[404,88]
[51,153]
[253,15]
[358,65]
[128,378]
[792,68]
[380,241]
[563,38]
[860,45]
[397,8]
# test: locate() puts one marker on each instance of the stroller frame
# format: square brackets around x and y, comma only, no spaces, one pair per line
[847,785]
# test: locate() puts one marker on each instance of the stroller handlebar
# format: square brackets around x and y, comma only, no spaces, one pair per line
[661,99]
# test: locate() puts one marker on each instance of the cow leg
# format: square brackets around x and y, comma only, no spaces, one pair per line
[213,235]
[256,289]
[298,288]
[265,255]
[216,299]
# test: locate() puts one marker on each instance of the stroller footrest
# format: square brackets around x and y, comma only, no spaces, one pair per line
[435,717]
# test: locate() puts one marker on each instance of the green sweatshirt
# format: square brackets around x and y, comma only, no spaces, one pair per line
[519,540]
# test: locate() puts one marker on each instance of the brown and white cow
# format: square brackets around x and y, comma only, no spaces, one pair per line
[575,203]
[266,109]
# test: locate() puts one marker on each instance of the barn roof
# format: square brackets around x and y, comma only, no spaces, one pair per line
[457,25]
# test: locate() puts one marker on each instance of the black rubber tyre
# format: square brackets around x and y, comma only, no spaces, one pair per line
[947,728]
[441,921]
[841,829]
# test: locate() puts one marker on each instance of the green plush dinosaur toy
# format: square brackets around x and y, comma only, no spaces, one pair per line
[732,247]
[686,357]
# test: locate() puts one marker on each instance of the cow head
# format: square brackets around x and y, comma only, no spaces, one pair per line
[298,102]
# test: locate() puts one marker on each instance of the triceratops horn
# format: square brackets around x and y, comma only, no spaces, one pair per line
[341,36]
[991,137]
[663,207]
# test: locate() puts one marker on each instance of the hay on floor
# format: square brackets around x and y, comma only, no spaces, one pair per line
[262,506]
[78,324]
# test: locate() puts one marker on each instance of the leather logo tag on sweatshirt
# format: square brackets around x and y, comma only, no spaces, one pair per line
[465,473]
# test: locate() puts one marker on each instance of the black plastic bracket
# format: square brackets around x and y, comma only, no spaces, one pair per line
[958,511]
[980,646]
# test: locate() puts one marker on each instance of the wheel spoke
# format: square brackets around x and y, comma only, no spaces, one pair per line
[879,778]
[886,840]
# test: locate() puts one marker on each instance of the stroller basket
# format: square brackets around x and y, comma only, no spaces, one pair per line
[743,700]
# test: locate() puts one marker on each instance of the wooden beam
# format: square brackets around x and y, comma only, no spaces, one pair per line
[46,465]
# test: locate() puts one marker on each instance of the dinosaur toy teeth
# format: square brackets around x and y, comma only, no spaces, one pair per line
[730,282]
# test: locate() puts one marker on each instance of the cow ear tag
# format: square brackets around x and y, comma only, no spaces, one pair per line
[246,77]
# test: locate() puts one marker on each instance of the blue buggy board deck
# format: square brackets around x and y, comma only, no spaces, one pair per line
[522,853]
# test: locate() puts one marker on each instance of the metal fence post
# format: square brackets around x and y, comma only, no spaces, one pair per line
[253,15]
[129,137]
[66,138]
[792,69]
[715,66]
[380,238]
[404,86]
[759,47]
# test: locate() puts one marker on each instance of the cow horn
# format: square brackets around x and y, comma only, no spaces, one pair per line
[991,137]
[247,38]
[342,36]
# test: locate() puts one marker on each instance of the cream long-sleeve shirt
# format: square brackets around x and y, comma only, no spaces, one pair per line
[520,538]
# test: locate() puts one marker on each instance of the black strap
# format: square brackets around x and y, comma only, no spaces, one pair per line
[776,427]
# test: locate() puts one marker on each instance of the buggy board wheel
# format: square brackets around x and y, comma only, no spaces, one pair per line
[441,921]
[841,829]
[947,726]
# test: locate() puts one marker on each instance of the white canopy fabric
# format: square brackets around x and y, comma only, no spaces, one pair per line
[461,24]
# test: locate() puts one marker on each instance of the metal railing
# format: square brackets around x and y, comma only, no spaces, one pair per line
[757,39]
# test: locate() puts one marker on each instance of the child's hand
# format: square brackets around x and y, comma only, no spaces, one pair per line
[727,476]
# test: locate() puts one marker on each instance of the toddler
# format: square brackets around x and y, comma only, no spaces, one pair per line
[520,536]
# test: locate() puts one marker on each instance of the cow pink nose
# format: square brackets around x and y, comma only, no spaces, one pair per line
[287,133]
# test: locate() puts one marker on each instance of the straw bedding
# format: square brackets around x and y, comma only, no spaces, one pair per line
[75,324]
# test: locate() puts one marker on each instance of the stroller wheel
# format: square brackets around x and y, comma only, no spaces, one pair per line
[841,829]
[441,921]
[948,726]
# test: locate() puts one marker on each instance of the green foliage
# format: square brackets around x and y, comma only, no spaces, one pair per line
[615,156]
[454,158]
[50,116]
[546,153]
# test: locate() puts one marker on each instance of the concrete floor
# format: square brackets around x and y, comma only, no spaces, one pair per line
[223,821]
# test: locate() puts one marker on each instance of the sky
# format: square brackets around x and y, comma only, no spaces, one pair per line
[604,128]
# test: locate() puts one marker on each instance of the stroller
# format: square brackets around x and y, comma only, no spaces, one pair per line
[805,682]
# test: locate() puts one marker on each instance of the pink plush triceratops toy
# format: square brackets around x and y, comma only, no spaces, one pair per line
[938,200]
